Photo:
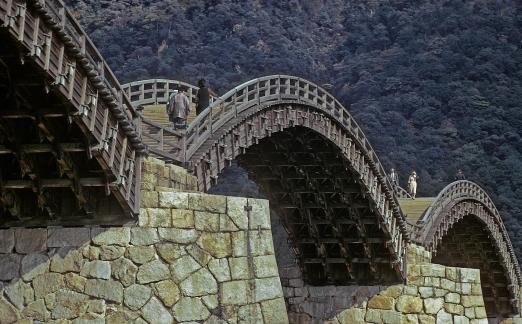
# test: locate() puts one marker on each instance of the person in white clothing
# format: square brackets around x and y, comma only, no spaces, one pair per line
[412,184]
[394,177]
[180,108]
[170,108]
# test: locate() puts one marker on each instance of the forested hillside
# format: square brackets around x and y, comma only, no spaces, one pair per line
[436,85]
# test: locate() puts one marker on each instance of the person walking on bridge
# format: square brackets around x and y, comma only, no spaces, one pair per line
[460,176]
[394,178]
[203,96]
[170,108]
[412,184]
[181,108]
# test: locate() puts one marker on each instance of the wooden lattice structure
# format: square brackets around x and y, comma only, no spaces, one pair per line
[70,149]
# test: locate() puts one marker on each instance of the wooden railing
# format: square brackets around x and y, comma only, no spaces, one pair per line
[51,37]
[265,91]
[452,193]
[158,92]
[162,147]
[401,193]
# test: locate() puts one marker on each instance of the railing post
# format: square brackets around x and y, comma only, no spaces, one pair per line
[211,121]
[235,102]
[184,143]
[155,91]
[137,120]
[279,86]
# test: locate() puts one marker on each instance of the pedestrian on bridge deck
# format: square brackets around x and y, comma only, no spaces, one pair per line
[203,96]
[460,176]
[412,184]
[180,108]
[394,177]
[170,108]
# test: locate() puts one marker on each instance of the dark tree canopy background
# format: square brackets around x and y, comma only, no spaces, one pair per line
[436,85]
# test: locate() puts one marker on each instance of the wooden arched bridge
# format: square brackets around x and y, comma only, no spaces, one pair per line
[72,139]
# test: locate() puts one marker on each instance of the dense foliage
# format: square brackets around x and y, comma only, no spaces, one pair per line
[437,85]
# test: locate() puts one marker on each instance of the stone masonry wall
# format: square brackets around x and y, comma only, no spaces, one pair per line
[160,176]
[191,258]
[432,294]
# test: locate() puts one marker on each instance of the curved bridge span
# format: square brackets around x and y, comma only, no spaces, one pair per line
[321,173]
[306,151]
[463,228]
[284,129]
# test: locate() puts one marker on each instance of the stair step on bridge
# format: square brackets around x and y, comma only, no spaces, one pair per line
[414,208]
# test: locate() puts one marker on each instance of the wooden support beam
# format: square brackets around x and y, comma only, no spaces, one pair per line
[342,260]
[47,113]
[54,183]
[346,240]
[43,148]
[27,168]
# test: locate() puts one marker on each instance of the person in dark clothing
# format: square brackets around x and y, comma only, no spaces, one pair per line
[203,97]
[460,175]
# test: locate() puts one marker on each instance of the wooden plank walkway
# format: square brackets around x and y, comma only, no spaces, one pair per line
[414,208]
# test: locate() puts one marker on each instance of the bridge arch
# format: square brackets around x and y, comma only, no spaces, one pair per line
[463,210]
[289,118]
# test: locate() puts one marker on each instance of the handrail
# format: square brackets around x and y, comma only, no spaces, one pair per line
[97,68]
[401,192]
[458,190]
[159,126]
[157,91]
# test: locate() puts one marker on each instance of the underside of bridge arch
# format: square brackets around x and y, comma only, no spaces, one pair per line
[468,244]
[48,175]
[331,223]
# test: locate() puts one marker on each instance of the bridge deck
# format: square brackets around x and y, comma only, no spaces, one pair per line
[414,208]
[158,114]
